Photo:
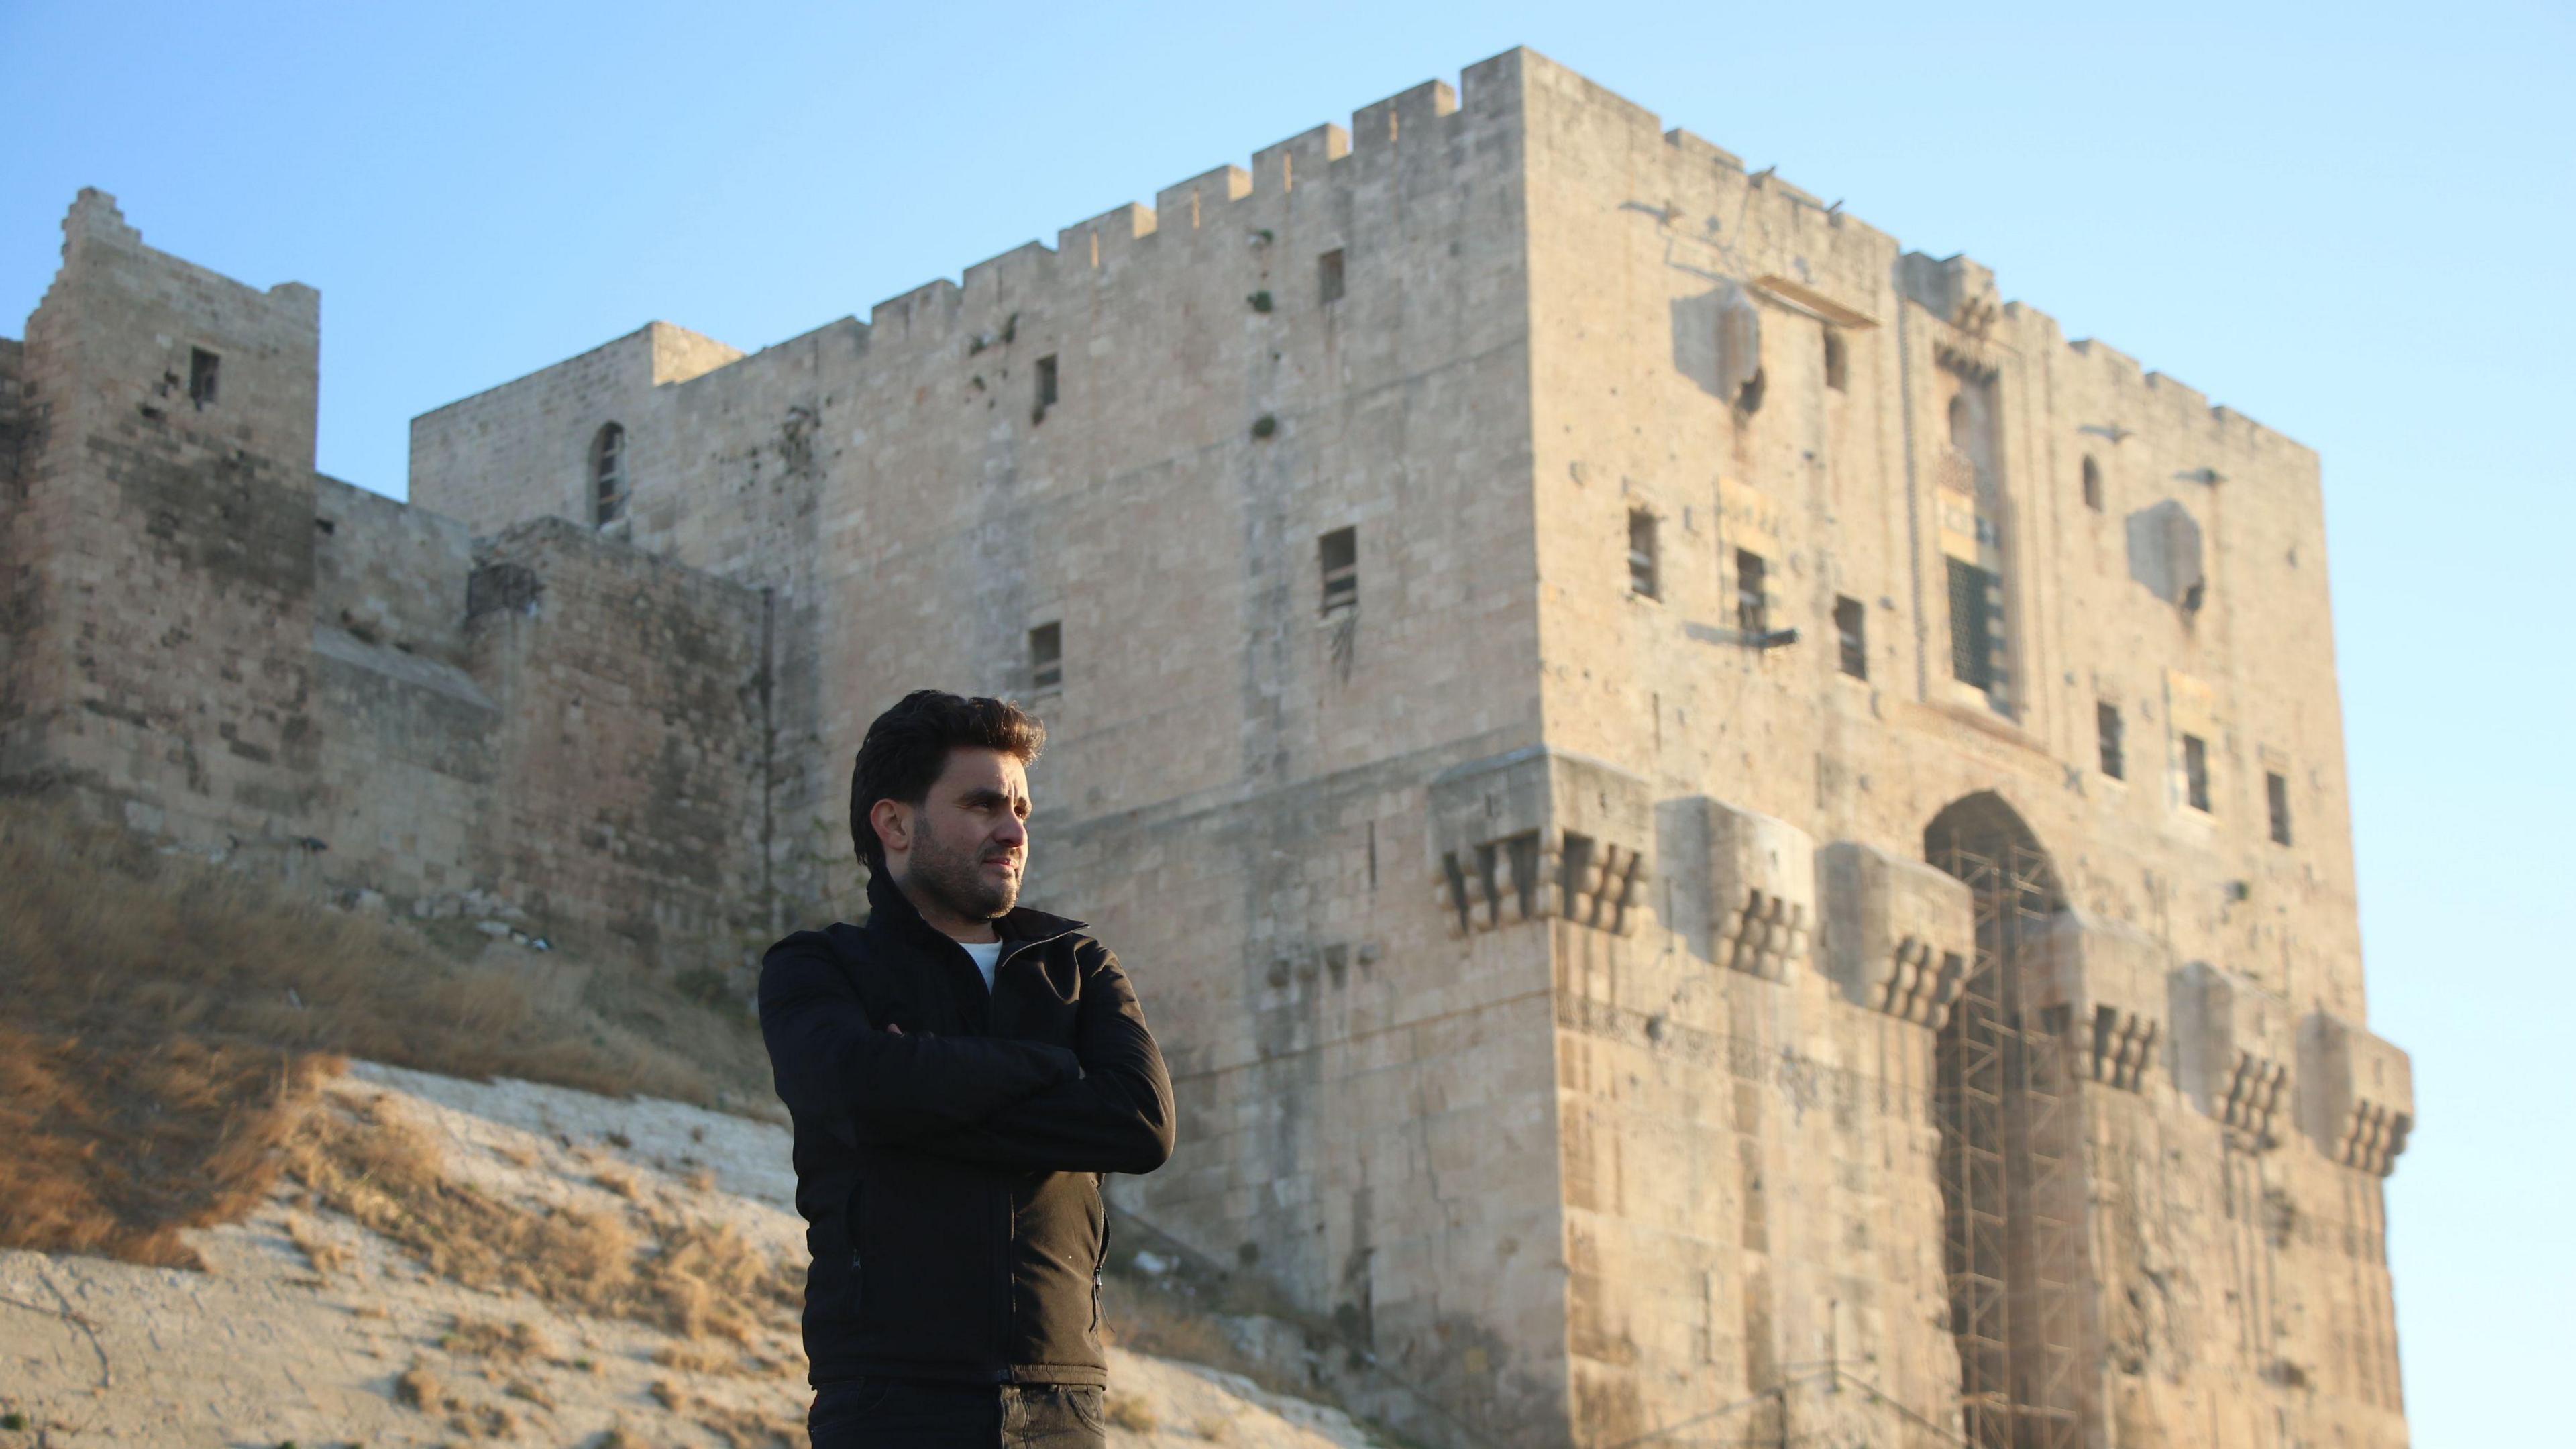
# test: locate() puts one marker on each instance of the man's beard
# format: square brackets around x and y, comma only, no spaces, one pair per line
[955,880]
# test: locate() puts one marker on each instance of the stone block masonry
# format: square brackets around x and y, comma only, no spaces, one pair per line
[1699,800]
[213,643]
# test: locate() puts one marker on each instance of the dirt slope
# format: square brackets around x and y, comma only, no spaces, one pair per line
[446,1262]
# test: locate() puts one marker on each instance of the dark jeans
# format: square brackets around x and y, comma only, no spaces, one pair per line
[886,1414]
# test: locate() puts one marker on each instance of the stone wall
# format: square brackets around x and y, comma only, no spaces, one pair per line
[1538,918]
[213,643]
[1236,788]
[166,609]
[1760,374]
[627,797]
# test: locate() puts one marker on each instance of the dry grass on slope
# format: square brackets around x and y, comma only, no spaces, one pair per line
[163,1021]
[650,1263]
[114,1150]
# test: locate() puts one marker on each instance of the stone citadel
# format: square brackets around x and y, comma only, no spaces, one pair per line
[1729,835]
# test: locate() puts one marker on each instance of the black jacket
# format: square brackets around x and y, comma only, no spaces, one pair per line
[949,1176]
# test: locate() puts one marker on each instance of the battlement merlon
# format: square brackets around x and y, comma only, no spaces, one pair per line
[1961,291]
[1406,122]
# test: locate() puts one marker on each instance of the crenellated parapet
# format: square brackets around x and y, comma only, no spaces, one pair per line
[2106,983]
[1223,200]
[2356,1094]
[2233,1047]
[1536,834]
[1762,890]
[1899,935]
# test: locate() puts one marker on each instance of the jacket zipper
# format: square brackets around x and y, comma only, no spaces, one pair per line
[1101,1263]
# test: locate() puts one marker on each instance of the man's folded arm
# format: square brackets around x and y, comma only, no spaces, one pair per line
[830,1062]
[1117,1118]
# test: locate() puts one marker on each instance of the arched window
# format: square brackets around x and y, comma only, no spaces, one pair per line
[608,475]
[2092,484]
[1959,421]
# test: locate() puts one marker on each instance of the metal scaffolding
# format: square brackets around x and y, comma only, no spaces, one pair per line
[2010,1135]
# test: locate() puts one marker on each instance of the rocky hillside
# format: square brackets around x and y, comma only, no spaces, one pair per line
[442,1261]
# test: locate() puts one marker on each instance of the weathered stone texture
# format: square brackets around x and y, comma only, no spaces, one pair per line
[213,643]
[1558,994]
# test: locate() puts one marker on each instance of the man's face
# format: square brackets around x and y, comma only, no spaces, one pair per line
[970,837]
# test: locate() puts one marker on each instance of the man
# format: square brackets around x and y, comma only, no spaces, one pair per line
[960,1073]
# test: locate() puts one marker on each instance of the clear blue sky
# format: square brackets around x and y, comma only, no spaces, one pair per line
[2350,222]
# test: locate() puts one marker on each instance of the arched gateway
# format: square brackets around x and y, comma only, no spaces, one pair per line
[2014,1247]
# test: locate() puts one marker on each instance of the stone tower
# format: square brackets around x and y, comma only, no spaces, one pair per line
[1729,835]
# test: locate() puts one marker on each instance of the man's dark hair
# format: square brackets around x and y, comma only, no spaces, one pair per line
[908,746]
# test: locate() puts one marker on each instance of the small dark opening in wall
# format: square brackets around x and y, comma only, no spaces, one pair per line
[1959,423]
[1046,382]
[1046,656]
[1851,629]
[1749,396]
[1328,275]
[2276,790]
[203,366]
[608,474]
[2092,484]
[2195,772]
[1837,361]
[1752,610]
[1339,554]
[1641,554]
[2106,724]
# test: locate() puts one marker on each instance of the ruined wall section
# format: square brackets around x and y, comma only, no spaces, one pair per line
[214,644]
[626,802]
[726,474]
[408,734]
[18,427]
[166,526]
[2182,581]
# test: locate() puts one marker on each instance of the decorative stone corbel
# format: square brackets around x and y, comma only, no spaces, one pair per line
[1762,890]
[2233,1044]
[2356,1094]
[2106,983]
[1899,935]
[1538,833]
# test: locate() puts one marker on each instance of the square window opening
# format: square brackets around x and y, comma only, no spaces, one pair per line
[1851,632]
[1752,611]
[2106,723]
[1338,554]
[1046,656]
[1046,382]
[2276,791]
[608,474]
[204,369]
[1642,564]
[1328,275]
[2195,772]
[1837,360]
